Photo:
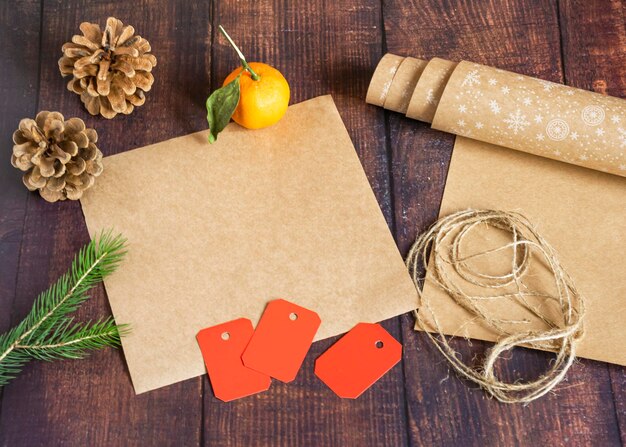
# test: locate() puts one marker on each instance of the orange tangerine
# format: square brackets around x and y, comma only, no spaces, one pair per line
[262,102]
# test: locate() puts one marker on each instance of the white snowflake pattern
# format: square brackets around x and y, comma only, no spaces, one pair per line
[574,135]
[592,115]
[430,97]
[494,106]
[461,123]
[540,137]
[622,167]
[505,90]
[569,92]
[584,157]
[599,132]
[557,152]
[622,137]
[462,108]
[538,119]
[527,101]
[557,129]
[471,79]
[492,81]
[479,125]
[615,119]
[516,121]
[547,85]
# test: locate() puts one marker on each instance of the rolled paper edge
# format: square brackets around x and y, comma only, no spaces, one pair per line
[382,78]
[430,87]
[403,84]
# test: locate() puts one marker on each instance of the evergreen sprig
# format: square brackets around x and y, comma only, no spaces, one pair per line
[48,332]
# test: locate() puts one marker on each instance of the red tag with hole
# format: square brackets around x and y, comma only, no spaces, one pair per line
[221,347]
[358,360]
[281,340]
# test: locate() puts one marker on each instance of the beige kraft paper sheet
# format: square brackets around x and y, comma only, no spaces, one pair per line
[566,175]
[217,231]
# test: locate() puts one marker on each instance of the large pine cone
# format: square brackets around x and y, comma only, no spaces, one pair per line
[111,70]
[60,157]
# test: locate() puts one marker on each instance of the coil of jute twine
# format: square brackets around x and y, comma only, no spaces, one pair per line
[441,247]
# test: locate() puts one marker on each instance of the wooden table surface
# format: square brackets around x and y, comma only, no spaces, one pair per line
[322,47]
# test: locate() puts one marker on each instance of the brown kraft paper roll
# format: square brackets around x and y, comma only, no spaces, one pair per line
[511,110]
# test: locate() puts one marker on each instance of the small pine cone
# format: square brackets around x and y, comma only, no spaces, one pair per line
[60,157]
[111,70]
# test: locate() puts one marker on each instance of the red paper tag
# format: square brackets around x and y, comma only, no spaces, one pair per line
[221,347]
[281,340]
[358,360]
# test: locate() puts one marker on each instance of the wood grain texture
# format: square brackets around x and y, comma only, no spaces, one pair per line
[594,45]
[91,402]
[521,36]
[321,47]
[594,58]
[19,78]
[19,75]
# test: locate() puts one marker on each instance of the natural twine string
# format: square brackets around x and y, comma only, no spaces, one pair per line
[450,271]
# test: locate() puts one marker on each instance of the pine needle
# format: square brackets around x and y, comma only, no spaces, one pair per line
[48,332]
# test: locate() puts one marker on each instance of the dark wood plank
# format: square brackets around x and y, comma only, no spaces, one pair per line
[321,47]
[618,384]
[19,76]
[91,401]
[594,58]
[594,45]
[521,36]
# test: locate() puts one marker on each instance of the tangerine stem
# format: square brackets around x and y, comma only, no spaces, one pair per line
[242,58]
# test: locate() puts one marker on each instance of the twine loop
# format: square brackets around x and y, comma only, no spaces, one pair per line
[559,306]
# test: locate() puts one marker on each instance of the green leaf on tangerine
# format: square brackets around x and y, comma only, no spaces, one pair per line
[220,106]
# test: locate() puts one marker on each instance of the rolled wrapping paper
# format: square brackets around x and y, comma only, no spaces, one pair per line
[381,80]
[507,109]
[428,90]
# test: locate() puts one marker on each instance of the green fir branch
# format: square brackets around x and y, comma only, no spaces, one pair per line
[48,332]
